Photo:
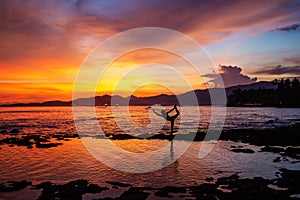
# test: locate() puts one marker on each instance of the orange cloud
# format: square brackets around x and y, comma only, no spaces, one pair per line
[34,92]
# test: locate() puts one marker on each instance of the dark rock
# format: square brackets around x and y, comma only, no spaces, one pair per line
[15,131]
[3,132]
[43,185]
[70,190]
[272,149]
[41,141]
[209,179]
[14,186]
[164,192]
[285,159]
[292,152]
[60,138]
[47,145]
[162,137]
[256,188]
[243,150]
[206,191]
[71,136]
[282,136]
[277,159]
[289,179]
[121,137]
[24,141]
[57,136]
[134,193]
[231,180]
[295,161]
[118,184]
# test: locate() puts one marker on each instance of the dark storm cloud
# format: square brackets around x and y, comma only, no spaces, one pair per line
[230,76]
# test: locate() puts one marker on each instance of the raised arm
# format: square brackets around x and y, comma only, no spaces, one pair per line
[177,111]
[157,113]
[170,110]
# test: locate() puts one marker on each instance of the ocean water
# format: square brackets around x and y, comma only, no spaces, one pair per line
[72,160]
[49,120]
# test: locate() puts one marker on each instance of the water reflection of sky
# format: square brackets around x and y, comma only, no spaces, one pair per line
[60,119]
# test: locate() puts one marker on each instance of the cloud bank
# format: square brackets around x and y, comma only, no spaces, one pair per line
[230,76]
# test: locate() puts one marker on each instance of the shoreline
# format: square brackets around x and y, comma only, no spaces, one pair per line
[280,136]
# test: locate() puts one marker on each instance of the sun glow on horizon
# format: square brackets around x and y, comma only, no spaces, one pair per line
[41,54]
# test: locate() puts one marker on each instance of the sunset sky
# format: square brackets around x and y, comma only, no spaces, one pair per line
[43,43]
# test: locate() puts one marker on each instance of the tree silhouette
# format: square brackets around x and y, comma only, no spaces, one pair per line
[286,94]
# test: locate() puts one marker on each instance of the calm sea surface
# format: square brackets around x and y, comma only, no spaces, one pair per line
[50,120]
[72,160]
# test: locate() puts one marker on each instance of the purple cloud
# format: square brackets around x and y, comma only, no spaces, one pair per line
[279,69]
[295,60]
[293,27]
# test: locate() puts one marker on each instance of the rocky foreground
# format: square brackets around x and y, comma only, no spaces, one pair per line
[284,141]
[286,186]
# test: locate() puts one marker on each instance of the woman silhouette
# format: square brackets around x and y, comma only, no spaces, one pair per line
[166,116]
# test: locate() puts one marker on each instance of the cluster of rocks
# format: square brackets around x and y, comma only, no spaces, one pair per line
[72,190]
[232,187]
[285,152]
[37,140]
[282,140]
[14,186]
[240,149]
[14,131]
[282,136]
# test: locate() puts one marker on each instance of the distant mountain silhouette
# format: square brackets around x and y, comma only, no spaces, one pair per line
[253,86]
[46,103]
[203,97]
